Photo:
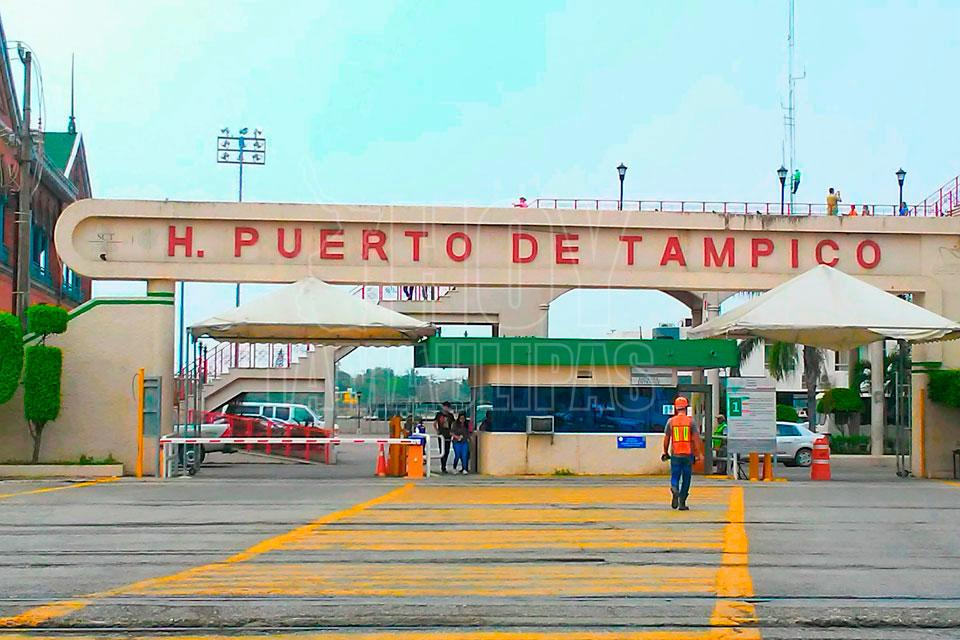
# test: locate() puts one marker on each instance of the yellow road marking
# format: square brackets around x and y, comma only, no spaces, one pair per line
[545,496]
[517,515]
[733,579]
[951,482]
[50,611]
[413,579]
[75,485]
[667,536]
[706,634]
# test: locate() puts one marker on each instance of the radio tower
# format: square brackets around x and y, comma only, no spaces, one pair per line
[790,118]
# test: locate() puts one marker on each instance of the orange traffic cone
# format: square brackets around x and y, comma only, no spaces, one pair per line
[381,463]
[820,469]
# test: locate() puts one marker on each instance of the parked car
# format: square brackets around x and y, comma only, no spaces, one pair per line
[213,429]
[795,444]
[281,412]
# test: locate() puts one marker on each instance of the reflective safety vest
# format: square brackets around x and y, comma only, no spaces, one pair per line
[681,441]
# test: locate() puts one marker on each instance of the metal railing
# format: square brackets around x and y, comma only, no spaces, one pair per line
[708,206]
[402,293]
[945,201]
[224,356]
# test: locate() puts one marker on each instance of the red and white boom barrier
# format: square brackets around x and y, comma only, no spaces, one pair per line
[170,444]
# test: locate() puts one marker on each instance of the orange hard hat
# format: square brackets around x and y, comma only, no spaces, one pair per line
[681,402]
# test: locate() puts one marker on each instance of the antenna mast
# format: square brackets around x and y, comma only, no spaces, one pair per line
[790,119]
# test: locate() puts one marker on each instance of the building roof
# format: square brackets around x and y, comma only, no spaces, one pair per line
[59,148]
[466,352]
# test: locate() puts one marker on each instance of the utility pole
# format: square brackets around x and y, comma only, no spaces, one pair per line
[21,249]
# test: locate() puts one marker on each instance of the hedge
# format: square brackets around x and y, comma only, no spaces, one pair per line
[840,401]
[11,355]
[46,319]
[944,387]
[41,383]
[786,413]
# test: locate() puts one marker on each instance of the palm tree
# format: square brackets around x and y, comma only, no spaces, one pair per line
[782,360]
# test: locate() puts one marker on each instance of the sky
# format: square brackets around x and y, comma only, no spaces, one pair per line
[443,102]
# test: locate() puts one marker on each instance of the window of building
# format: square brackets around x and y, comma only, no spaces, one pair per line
[40,253]
[71,284]
[841,360]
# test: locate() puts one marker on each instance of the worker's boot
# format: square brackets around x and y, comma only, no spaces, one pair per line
[675,501]
[683,504]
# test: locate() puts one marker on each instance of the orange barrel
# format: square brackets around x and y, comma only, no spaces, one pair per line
[820,469]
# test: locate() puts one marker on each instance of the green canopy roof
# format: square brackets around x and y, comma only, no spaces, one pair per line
[466,352]
[58,147]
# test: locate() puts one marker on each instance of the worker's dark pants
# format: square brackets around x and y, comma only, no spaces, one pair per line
[445,452]
[681,470]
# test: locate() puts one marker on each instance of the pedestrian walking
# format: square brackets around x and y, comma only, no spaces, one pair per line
[442,426]
[833,202]
[682,447]
[461,445]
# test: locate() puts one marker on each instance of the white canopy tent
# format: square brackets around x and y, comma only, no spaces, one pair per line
[829,309]
[313,311]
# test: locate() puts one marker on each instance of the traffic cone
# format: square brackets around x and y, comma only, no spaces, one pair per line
[820,469]
[381,463]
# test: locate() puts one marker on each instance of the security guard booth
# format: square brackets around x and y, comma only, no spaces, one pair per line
[577,406]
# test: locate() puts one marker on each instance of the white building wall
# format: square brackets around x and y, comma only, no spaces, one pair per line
[837,377]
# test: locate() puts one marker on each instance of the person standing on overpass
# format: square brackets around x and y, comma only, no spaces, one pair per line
[682,447]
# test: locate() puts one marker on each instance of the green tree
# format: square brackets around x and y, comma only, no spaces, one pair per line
[11,355]
[783,360]
[43,372]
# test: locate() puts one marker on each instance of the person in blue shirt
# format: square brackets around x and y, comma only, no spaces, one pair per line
[904,210]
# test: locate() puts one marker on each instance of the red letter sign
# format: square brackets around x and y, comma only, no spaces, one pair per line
[467,246]
[244,237]
[673,252]
[832,262]
[874,247]
[631,242]
[416,236]
[174,241]
[374,239]
[712,259]
[326,244]
[282,242]
[759,248]
[534,248]
[562,248]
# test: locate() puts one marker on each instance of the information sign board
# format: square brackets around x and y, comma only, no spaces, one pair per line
[631,442]
[751,415]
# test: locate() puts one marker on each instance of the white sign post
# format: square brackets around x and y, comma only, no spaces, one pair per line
[751,415]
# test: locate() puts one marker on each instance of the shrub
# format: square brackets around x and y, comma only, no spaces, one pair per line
[944,387]
[46,319]
[850,444]
[11,355]
[786,413]
[41,390]
[840,402]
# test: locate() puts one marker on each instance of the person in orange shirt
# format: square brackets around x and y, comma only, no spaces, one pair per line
[682,447]
[853,210]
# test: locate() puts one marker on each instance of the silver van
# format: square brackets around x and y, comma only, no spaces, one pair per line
[281,412]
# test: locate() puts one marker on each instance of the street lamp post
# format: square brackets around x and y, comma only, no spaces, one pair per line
[622,171]
[901,174]
[782,174]
[241,149]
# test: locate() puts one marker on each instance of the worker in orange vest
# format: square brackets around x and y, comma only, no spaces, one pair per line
[682,447]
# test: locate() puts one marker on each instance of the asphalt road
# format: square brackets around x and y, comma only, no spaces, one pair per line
[866,556]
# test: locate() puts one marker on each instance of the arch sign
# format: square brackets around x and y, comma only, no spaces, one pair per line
[250,242]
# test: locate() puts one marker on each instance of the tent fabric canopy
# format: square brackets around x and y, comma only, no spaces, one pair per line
[829,309]
[311,310]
